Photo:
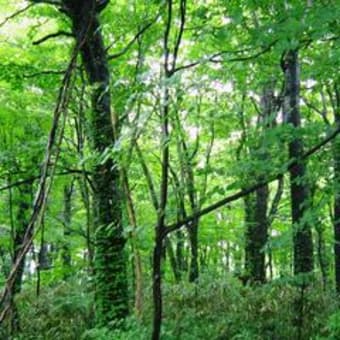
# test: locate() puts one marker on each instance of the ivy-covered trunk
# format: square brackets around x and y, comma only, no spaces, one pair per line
[110,262]
[300,196]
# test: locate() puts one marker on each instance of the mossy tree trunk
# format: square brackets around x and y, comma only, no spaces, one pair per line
[110,262]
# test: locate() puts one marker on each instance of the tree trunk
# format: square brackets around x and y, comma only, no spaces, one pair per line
[24,207]
[336,162]
[300,196]
[66,251]
[173,260]
[256,204]
[137,261]
[110,262]
[193,235]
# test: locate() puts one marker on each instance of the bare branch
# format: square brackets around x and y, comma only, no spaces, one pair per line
[322,113]
[212,58]
[53,35]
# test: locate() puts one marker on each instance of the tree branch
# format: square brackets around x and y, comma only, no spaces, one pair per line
[53,35]
[180,33]
[290,164]
[48,2]
[133,40]
[213,57]
[33,178]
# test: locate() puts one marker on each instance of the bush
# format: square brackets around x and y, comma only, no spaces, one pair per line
[61,312]
[213,308]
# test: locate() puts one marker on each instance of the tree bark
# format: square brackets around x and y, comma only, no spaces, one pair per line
[300,196]
[110,262]
[257,221]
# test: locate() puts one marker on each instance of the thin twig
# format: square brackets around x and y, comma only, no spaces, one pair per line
[133,40]
[213,57]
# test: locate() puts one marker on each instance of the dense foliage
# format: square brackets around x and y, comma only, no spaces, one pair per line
[169,169]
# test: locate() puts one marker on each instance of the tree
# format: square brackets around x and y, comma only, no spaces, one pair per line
[109,263]
[300,196]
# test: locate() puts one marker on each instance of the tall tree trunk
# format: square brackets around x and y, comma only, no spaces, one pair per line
[257,221]
[110,262]
[336,162]
[300,196]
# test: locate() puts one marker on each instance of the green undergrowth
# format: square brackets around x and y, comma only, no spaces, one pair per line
[210,309]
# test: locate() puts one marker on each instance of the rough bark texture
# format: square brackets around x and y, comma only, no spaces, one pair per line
[110,262]
[303,242]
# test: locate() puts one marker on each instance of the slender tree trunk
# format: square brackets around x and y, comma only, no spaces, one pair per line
[193,235]
[172,260]
[249,210]
[66,250]
[137,261]
[24,207]
[336,161]
[257,221]
[300,196]
[110,262]
[157,288]
[180,256]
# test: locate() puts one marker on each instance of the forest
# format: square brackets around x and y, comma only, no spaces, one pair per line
[169,169]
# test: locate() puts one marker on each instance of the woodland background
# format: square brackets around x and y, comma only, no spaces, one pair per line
[169,169]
